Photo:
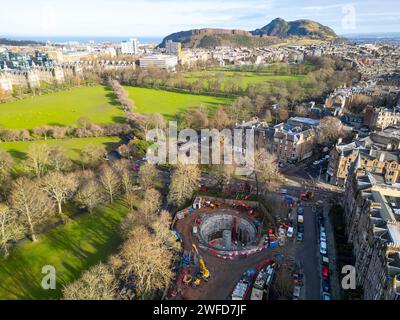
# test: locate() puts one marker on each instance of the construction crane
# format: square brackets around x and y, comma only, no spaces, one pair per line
[204,273]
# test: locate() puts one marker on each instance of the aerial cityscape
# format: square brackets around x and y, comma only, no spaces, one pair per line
[245,151]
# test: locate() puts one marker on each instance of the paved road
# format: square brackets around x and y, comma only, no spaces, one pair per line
[307,254]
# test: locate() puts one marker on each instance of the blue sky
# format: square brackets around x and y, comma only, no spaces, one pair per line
[157,18]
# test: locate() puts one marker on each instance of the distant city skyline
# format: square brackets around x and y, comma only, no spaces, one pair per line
[158,18]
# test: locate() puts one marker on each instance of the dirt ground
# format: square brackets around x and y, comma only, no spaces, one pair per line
[224,273]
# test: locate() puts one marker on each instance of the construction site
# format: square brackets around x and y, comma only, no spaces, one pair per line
[225,243]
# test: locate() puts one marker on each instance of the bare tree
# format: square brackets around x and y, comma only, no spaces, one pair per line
[131,199]
[266,170]
[124,171]
[98,283]
[220,119]
[184,182]
[89,195]
[31,203]
[6,164]
[38,159]
[148,175]
[153,121]
[162,230]
[196,119]
[92,155]
[10,228]
[151,204]
[110,181]
[144,259]
[60,187]
[58,159]
[330,130]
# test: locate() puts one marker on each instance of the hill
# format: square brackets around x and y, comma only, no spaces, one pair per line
[306,28]
[272,33]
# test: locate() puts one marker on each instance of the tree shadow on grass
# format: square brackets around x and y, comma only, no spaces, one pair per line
[72,249]
[17,154]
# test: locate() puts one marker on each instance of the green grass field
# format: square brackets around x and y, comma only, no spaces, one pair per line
[61,108]
[244,78]
[71,249]
[72,147]
[170,103]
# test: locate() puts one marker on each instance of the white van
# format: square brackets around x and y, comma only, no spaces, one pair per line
[290,232]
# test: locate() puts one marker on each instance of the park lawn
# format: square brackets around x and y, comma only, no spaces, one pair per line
[170,103]
[62,108]
[72,147]
[71,249]
[243,77]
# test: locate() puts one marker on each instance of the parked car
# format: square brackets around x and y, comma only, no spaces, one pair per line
[300,210]
[325,272]
[300,227]
[326,296]
[322,248]
[296,292]
[325,261]
[299,236]
[322,236]
[300,219]
[290,232]
[315,163]
[325,285]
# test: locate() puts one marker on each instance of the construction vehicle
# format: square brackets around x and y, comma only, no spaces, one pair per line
[204,273]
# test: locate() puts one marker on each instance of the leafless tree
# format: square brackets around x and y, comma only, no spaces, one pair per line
[58,159]
[89,195]
[131,199]
[110,181]
[98,283]
[38,159]
[162,230]
[60,187]
[151,204]
[31,203]
[148,175]
[124,171]
[10,228]
[92,155]
[330,130]
[184,182]
[220,119]
[144,259]
[266,170]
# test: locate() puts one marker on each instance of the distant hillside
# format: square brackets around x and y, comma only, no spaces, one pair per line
[270,34]
[9,42]
[306,28]
[209,38]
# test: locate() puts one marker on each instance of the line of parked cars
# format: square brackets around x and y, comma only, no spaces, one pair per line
[323,249]
[300,224]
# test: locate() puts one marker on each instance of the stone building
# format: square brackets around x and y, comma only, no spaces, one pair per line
[372,220]
[379,153]
[292,142]
[381,118]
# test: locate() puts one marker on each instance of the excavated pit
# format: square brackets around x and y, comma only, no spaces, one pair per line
[227,232]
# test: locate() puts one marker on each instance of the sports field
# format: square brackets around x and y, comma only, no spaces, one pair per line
[71,249]
[72,147]
[62,108]
[242,78]
[170,103]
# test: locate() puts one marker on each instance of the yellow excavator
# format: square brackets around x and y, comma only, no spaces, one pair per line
[204,273]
